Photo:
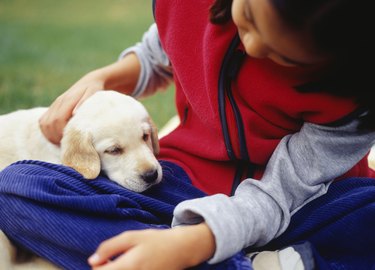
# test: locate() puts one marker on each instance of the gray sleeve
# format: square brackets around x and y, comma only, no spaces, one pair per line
[156,70]
[300,170]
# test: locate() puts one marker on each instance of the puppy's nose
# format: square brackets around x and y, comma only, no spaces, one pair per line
[150,176]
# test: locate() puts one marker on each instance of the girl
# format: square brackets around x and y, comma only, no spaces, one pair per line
[269,90]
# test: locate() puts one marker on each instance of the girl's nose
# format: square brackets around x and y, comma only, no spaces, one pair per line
[255,47]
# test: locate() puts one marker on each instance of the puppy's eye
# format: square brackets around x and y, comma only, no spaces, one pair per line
[146,137]
[114,150]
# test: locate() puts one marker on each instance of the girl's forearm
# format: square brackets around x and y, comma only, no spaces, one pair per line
[121,76]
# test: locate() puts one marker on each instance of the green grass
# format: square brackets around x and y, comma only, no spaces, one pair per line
[47,45]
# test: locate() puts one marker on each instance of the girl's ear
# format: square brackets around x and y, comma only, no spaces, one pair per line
[78,152]
[154,137]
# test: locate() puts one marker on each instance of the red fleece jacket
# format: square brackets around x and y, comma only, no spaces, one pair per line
[262,94]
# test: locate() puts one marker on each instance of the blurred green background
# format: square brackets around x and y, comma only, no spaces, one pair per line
[47,45]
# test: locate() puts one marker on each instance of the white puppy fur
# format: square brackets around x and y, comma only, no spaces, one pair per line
[109,132]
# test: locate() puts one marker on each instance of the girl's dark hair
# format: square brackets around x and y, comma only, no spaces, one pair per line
[220,11]
[340,28]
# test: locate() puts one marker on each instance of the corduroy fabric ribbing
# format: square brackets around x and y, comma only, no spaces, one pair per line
[339,226]
[54,212]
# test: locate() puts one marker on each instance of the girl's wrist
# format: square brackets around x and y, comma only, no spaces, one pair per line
[200,243]
[122,75]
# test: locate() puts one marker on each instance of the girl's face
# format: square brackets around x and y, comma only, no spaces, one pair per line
[264,35]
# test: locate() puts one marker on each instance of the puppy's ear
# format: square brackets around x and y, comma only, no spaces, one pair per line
[79,153]
[154,137]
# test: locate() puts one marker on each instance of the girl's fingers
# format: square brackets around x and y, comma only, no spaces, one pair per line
[120,263]
[54,120]
[110,248]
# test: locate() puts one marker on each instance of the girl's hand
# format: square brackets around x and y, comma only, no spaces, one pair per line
[172,249]
[121,76]
[61,110]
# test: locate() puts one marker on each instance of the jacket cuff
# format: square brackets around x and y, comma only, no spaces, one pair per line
[227,231]
[142,79]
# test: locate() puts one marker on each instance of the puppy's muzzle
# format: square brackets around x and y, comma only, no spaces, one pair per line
[150,176]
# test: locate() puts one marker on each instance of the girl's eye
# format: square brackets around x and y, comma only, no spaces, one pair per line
[146,137]
[114,150]
[292,63]
[287,63]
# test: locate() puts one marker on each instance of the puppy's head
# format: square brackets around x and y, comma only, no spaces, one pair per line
[113,133]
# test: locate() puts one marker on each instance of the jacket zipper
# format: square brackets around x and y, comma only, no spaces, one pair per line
[228,72]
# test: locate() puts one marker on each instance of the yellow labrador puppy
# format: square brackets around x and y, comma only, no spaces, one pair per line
[109,132]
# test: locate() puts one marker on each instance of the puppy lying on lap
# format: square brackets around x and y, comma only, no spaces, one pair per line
[110,131]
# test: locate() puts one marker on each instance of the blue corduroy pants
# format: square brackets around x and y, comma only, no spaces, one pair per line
[339,226]
[54,212]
